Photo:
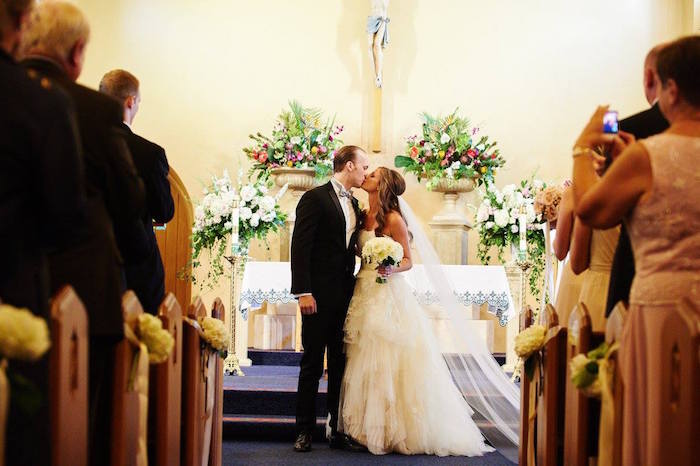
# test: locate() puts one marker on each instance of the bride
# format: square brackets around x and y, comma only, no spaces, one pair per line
[402,392]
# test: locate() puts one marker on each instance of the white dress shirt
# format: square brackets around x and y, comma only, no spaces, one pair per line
[348,211]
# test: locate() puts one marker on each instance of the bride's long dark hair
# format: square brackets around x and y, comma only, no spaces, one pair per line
[391,186]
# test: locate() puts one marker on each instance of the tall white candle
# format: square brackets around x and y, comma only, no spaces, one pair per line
[522,228]
[235,218]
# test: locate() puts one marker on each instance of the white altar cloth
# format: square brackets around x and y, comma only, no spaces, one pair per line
[472,284]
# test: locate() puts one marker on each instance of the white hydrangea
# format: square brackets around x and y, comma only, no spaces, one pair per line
[245,213]
[267,203]
[23,335]
[214,333]
[501,217]
[268,216]
[248,193]
[483,213]
[529,340]
[254,220]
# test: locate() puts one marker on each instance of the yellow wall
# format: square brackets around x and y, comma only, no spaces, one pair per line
[528,72]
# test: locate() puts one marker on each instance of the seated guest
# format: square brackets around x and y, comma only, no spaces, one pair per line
[54,45]
[144,273]
[41,194]
[653,186]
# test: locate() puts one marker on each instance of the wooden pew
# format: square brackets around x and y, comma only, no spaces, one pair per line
[68,375]
[581,411]
[125,421]
[165,392]
[218,311]
[550,402]
[680,382]
[174,242]
[526,319]
[614,326]
[193,388]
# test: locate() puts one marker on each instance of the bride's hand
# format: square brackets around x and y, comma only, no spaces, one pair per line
[385,271]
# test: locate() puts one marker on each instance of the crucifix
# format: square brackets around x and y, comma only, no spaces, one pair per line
[377,39]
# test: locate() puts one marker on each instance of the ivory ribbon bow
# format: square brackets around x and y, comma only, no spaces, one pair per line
[138,381]
[607,409]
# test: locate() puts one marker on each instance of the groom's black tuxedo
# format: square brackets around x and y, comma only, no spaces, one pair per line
[642,125]
[324,266]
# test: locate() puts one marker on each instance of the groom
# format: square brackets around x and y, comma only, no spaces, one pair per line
[323,264]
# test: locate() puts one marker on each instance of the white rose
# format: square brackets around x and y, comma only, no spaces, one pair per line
[268,216]
[228,226]
[255,220]
[245,213]
[445,138]
[489,225]
[455,165]
[514,228]
[501,218]
[295,140]
[248,193]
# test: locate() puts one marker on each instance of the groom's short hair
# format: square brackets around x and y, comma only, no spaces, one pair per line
[344,155]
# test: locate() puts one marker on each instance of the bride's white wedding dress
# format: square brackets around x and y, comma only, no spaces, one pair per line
[397,392]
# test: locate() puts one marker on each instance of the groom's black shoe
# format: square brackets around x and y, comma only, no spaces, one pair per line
[343,442]
[303,442]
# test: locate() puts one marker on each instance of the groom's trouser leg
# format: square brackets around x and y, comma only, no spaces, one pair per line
[336,368]
[313,337]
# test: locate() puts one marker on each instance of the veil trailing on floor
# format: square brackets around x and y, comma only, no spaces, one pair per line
[493,397]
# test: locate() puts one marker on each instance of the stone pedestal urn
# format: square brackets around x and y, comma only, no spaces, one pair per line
[450,225]
[298,181]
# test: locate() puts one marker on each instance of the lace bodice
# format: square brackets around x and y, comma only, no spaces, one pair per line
[664,228]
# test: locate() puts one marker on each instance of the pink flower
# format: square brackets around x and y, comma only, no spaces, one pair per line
[526,192]
[262,157]
[471,153]
[422,142]
[330,137]
[463,159]
[444,162]
[288,146]
[323,149]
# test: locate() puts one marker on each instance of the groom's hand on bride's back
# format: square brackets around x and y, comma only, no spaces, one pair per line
[307,305]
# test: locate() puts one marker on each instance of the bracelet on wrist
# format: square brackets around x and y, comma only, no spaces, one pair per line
[579,151]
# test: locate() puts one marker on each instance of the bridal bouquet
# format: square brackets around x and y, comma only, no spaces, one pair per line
[259,214]
[158,340]
[298,140]
[449,148]
[382,252]
[497,222]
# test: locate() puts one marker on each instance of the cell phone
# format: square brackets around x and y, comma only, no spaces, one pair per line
[610,125]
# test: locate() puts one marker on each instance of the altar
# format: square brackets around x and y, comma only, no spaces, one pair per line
[273,321]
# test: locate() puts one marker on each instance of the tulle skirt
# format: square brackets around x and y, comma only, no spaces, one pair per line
[397,393]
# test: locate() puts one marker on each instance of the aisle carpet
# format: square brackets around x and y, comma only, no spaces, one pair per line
[275,453]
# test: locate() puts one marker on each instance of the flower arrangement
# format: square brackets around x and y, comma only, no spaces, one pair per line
[585,369]
[158,340]
[23,335]
[382,251]
[528,343]
[214,335]
[298,140]
[258,214]
[497,221]
[449,148]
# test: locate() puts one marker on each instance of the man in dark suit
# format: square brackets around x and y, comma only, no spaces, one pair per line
[41,194]
[323,266]
[144,271]
[54,46]
[641,125]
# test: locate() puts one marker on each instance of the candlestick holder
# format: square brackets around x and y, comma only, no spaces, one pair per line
[237,259]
